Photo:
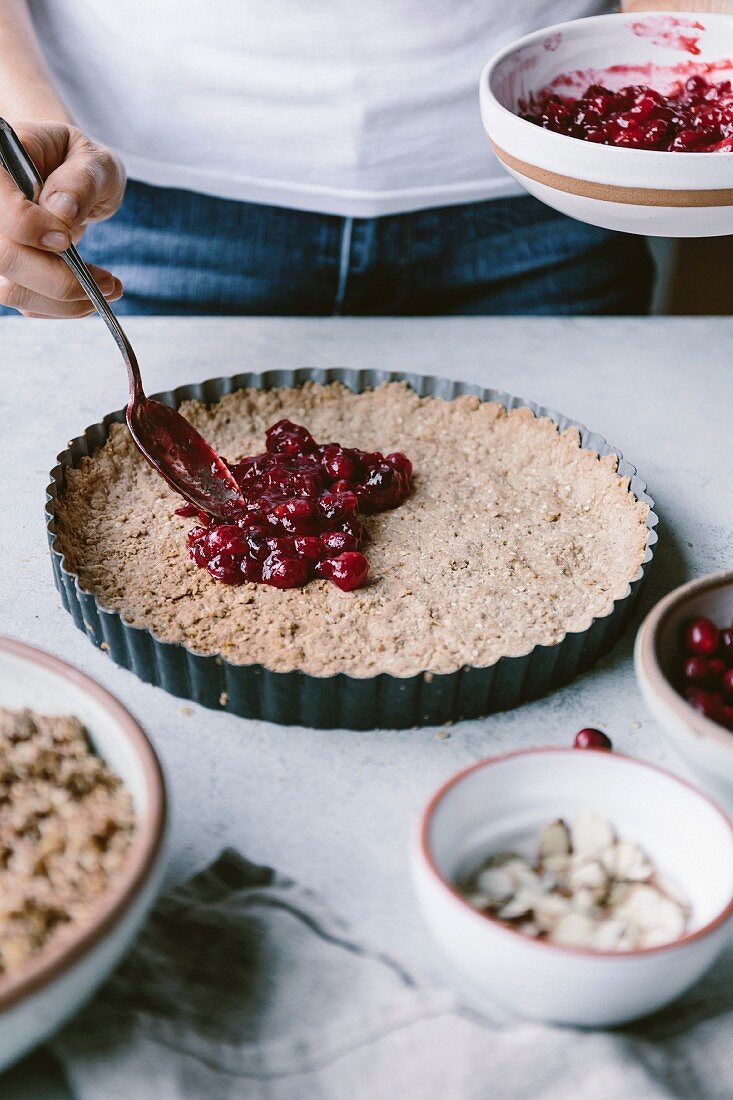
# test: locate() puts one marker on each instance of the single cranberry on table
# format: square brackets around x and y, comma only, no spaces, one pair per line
[300,517]
[590,738]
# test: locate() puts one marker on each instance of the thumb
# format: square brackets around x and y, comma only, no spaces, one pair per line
[88,185]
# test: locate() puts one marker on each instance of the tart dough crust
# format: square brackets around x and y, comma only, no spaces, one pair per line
[513,536]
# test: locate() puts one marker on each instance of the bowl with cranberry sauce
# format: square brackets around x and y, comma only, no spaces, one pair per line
[623,121]
[684,665]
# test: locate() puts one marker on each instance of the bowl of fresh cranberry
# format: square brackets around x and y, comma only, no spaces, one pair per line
[684,664]
[624,121]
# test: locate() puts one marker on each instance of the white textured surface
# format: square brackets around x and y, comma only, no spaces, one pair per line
[334,809]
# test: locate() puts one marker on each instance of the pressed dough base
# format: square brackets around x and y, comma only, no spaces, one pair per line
[512,537]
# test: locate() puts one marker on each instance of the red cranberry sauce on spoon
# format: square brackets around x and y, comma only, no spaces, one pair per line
[301,512]
[695,117]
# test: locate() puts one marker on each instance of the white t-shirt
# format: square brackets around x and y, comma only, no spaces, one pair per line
[349,107]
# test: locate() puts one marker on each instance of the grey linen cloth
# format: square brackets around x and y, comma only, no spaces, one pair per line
[242,985]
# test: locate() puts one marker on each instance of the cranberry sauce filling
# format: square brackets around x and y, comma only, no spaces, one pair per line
[706,670]
[301,516]
[697,117]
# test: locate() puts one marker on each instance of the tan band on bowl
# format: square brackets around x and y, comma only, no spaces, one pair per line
[631,196]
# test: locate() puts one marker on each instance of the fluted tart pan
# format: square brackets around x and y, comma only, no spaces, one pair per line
[341,700]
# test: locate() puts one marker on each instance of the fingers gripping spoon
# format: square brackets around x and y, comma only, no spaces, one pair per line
[162,435]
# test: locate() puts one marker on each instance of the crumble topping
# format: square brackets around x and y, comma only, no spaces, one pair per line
[513,536]
[66,822]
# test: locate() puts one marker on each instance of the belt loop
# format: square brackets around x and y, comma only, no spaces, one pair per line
[344,257]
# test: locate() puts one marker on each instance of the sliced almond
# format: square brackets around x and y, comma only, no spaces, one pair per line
[574,930]
[548,881]
[584,900]
[658,918]
[549,910]
[588,874]
[670,925]
[518,906]
[525,878]
[618,894]
[556,864]
[666,922]
[667,886]
[591,834]
[627,861]
[609,934]
[496,884]
[631,938]
[554,840]
[478,901]
[640,901]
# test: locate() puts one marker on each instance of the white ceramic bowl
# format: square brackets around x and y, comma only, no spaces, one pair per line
[50,987]
[500,804]
[706,747]
[636,190]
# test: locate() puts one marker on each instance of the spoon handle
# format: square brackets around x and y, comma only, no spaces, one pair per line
[15,159]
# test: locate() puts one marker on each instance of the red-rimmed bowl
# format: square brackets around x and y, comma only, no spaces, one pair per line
[500,804]
[37,998]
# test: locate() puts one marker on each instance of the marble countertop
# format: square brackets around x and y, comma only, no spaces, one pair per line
[334,809]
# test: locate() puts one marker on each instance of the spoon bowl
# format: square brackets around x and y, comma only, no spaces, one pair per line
[183,457]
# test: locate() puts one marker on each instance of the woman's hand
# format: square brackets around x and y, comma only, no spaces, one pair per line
[84,183]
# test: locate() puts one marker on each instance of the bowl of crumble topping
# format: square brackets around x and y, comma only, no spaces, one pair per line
[82,824]
[409,550]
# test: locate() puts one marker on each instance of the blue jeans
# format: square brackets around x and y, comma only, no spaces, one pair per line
[180,252]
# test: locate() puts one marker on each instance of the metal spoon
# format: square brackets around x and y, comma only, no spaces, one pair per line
[163,436]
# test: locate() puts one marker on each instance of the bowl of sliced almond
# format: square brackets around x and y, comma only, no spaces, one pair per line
[576,887]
